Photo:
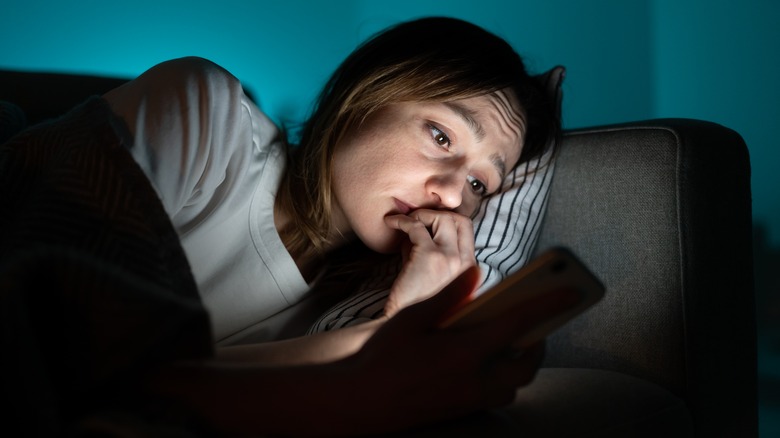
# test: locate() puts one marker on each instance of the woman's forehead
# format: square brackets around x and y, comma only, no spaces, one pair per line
[504,109]
[500,114]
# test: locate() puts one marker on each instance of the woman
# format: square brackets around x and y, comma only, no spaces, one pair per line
[412,131]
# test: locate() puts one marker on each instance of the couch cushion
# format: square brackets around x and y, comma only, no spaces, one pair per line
[44,96]
[564,402]
[575,402]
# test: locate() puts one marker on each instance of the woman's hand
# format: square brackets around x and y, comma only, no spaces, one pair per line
[439,249]
[431,374]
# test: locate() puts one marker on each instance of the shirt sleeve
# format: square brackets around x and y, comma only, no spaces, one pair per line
[183,114]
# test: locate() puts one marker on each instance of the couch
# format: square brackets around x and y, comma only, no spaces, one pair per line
[661,211]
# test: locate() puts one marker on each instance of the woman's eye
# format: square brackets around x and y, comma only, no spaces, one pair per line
[477,186]
[440,137]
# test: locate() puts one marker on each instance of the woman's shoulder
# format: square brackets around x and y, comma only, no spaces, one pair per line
[196,72]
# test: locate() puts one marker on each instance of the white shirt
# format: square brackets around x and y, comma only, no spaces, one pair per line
[215,160]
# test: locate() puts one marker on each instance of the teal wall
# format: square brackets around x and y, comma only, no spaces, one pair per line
[627,60]
[720,60]
[284,50]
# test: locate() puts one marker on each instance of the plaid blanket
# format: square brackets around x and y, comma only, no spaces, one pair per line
[95,289]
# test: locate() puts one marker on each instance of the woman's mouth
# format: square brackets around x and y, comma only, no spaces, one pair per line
[403,207]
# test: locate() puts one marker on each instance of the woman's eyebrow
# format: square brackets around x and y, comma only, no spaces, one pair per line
[468,116]
[500,166]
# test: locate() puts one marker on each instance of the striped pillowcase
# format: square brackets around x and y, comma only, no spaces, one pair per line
[507,226]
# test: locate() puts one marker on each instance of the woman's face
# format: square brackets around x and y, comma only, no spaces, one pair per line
[433,155]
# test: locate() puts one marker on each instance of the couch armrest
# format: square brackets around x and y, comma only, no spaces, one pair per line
[44,96]
[661,210]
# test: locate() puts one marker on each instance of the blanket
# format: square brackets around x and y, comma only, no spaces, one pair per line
[95,289]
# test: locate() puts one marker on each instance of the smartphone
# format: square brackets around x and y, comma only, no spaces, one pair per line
[554,269]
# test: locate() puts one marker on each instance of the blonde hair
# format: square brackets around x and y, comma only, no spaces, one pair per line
[430,59]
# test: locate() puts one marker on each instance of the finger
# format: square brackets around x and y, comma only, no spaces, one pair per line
[430,230]
[450,230]
[444,230]
[429,217]
[445,234]
[465,230]
[416,230]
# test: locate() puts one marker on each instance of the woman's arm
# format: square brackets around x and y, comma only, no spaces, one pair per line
[409,372]
[317,348]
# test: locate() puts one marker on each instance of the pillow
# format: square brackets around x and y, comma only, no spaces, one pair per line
[506,229]
[507,226]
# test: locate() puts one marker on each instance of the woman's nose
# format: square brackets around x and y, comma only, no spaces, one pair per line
[447,190]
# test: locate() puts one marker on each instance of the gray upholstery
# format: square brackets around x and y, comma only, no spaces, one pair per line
[661,211]
[576,402]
